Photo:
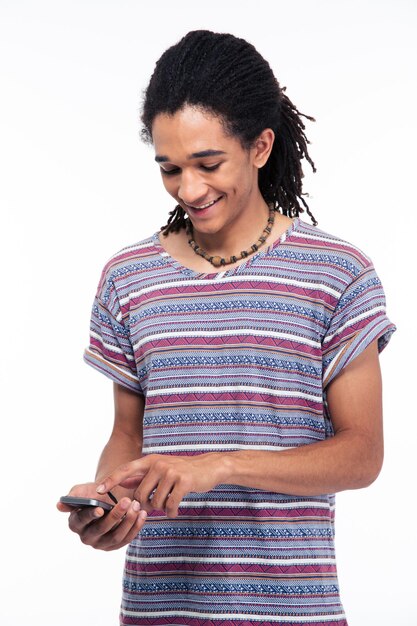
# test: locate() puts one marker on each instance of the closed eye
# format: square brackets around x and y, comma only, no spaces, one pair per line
[210,168]
[169,172]
[176,170]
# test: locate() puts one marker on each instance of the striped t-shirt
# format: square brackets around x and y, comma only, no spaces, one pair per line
[233,360]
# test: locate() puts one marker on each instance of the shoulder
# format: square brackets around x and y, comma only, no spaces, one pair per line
[322,240]
[331,252]
[130,254]
[124,263]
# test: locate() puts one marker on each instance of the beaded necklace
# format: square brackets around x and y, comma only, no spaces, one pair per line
[218,261]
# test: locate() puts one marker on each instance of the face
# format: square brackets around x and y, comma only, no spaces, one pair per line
[208,173]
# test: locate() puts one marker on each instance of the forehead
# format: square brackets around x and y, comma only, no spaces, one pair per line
[188,131]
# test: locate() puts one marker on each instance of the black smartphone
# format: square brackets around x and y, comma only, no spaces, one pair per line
[80,503]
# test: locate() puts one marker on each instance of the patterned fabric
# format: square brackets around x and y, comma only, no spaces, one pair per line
[233,360]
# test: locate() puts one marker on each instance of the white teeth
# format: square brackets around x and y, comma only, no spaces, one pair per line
[205,206]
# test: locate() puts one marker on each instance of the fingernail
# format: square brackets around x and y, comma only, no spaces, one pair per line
[98,513]
[135,506]
[101,489]
[143,514]
[124,504]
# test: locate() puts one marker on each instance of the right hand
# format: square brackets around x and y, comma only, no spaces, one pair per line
[104,530]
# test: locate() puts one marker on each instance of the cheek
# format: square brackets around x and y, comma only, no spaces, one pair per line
[239,179]
[240,188]
[169,185]
[231,183]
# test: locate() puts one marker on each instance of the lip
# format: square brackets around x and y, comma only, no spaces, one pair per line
[205,211]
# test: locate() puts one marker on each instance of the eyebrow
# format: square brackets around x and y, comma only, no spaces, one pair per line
[161,158]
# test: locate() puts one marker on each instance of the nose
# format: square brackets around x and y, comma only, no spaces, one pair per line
[192,190]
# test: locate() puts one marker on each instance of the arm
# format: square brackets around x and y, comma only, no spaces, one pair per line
[349,460]
[123,522]
[125,443]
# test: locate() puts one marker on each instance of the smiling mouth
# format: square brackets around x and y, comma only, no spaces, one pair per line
[204,206]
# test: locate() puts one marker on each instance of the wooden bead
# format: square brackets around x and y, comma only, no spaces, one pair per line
[216,261]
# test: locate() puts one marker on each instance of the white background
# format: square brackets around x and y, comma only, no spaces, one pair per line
[77,185]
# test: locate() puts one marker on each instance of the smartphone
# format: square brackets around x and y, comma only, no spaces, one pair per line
[80,503]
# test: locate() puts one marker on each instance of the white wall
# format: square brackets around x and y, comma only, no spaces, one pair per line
[77,185]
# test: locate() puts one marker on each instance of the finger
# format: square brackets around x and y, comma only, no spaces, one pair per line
[133,482]
[134,469]
[80,518]
[160,496]
[146,490]
[135,529]
[92,533]
[64,508]
[126,530]
[173,502]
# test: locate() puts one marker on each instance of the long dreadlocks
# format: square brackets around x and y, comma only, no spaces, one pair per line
[227,76]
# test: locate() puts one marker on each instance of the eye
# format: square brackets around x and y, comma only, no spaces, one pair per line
[210,168]
[169,172]
[175,170]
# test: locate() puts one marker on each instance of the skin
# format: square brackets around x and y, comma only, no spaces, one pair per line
[115,529]
[236,221]
[350,460]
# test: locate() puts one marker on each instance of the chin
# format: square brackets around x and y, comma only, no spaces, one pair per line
[207,229]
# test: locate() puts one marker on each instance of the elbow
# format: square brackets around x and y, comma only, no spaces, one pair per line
[369,476]
[363,458]
[369,468]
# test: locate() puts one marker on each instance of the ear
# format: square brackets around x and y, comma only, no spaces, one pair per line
[262,147]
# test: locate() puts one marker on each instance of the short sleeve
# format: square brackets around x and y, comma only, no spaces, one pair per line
[110,350]
[359,318]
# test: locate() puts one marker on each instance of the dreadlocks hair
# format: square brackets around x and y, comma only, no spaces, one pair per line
[227,77]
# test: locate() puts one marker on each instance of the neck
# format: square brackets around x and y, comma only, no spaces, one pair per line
[237,235]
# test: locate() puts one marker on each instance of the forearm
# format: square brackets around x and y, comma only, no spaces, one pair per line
[346,461]
[121,448]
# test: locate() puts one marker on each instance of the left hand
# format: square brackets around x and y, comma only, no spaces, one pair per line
[101,530]
[168,478]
